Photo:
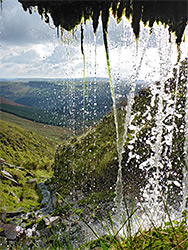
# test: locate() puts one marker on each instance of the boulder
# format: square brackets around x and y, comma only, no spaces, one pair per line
[10,231]
[8,176]
[17,199]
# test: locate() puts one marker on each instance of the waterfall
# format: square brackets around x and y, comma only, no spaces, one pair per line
[164,51]
[163,110]
[185,169]
[160,113]
[121,138]
[130,100]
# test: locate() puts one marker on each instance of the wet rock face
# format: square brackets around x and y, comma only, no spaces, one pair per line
[68,14]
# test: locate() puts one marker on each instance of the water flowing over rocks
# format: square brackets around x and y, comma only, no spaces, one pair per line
[48,202]
[40,224]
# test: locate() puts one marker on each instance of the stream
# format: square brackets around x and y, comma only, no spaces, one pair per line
[48,201]
[41,227]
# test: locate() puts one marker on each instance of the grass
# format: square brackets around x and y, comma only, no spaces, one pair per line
[31,156]
[22,194]
[170,235]
[23,147]
[52,132]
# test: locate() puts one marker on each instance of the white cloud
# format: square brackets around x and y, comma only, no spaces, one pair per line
[24,57]
[20,28]
[30,48]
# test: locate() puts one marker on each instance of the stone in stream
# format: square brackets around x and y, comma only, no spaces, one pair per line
[10,231]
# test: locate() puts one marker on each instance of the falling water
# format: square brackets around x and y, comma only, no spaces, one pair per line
[137,63]
[161,142]
[164,51]
[84,76]
[158,164]
[185,169]
[119,186]
[130,101]
[95,82]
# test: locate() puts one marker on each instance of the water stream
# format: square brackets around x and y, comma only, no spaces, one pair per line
[47,199]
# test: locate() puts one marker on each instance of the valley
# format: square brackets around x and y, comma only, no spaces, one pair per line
[60,102]
[78,173]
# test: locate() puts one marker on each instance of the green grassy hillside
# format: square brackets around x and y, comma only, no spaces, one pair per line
[89,162]
[51,132]
[28,160]
[23,147]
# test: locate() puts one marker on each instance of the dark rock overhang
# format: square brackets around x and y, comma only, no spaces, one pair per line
[66,14]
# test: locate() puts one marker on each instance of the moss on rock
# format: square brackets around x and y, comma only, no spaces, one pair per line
[68,14]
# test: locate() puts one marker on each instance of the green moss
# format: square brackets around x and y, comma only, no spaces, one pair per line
[69,14]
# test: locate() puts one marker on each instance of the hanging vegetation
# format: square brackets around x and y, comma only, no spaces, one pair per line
[69,13]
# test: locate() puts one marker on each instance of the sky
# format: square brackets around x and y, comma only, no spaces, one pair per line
[30,48]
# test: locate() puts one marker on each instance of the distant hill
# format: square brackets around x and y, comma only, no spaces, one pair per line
[6,101]
[60,102]
[29,113]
